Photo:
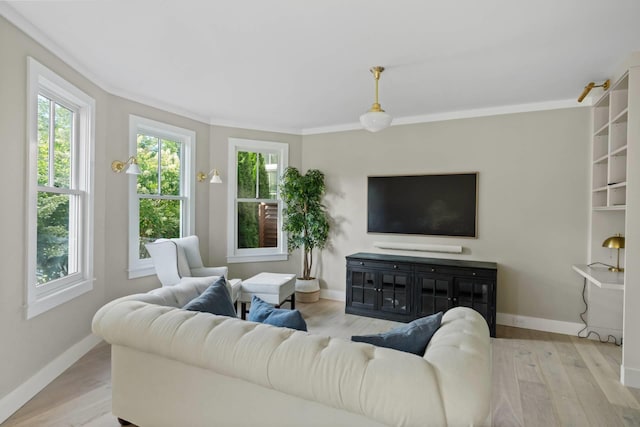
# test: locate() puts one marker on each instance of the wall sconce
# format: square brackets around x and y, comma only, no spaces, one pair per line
[117,166]
[615,242]
[215,176]
[590,86]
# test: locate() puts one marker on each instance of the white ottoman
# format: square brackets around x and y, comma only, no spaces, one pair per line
[273,288]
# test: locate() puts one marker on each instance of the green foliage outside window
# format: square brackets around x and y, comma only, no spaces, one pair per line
[54,170]
[251,171]
[158,217]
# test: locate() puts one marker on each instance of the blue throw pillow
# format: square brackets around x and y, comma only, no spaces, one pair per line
[412,337]
[215,300]
[264,312]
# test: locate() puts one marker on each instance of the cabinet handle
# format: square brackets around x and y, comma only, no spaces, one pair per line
[433,269]
[449,299]
[395,266]
[473,274]
[361,263]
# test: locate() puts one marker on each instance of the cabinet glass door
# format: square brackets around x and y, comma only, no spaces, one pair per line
[434,294]
[394,288]
[474,293]
[363,289]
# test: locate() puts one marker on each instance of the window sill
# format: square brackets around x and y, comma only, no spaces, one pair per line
[236,259]
[46,303]
[135,273]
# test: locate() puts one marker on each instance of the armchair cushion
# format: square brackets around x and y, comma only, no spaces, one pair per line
[215,300]
[163,254]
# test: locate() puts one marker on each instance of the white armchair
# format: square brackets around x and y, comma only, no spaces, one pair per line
[177,260]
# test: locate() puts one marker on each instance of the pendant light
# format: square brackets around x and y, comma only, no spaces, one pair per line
[376,119]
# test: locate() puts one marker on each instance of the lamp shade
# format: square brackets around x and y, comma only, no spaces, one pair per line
[215,179]
[374,121]
[133,169]
[614,242]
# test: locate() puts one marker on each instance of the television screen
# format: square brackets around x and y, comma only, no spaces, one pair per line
[440,205]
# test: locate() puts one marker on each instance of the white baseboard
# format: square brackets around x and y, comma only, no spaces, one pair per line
[518,321]
[604,332]
[24,392]
[539,324]
[332,295]
[630,377]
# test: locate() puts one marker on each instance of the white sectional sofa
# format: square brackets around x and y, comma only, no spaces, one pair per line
[172,367]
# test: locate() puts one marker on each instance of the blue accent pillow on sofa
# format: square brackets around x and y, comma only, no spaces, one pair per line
[215,300]
[263,312]
[412,337]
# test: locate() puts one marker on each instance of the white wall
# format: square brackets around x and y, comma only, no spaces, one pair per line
[28,345]
[533,198]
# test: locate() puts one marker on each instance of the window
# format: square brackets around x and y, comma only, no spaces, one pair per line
[60,122]
[255,208]
[161,197]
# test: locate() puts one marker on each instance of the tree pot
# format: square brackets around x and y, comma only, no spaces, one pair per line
[307,290]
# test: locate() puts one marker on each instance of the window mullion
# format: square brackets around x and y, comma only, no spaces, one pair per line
[257,175]
[262,200]
[75,151]
[161,197]
[59,190]
[159,165]
[52,136]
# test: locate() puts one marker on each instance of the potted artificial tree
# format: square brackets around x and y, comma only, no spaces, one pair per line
[306,222]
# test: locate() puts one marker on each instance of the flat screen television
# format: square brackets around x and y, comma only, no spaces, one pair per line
[439,205]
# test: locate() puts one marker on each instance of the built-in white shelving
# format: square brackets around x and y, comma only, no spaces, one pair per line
[609,169]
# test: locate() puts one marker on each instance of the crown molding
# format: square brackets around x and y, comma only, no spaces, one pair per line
[32,31]
[151,102]
[462,114]
[21,23]
[249,126]
[491,111]
[14,17]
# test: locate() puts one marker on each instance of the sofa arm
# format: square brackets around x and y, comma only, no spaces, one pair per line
[460,353]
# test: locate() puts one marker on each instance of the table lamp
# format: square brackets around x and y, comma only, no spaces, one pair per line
[615,242]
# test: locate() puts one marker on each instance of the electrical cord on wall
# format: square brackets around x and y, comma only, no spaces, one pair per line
[586,308]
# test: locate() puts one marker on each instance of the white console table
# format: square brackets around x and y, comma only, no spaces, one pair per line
[601,276]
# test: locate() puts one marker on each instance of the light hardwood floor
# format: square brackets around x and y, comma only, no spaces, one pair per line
[539,379]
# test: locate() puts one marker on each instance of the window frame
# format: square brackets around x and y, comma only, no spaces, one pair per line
[235,254]
[144,267]
[44,297]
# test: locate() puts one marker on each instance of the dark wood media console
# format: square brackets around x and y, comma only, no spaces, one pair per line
[404,288]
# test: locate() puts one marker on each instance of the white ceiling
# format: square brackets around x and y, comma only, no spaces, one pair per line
[301,65]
